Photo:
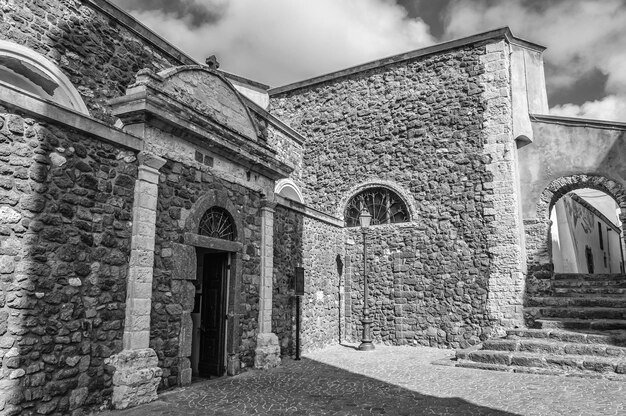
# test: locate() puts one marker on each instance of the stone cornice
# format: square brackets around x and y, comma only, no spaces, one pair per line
[33,106]
[148,106]
[502,33]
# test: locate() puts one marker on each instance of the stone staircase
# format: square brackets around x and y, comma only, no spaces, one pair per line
[578,331]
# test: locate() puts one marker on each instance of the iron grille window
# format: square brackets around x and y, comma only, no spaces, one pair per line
[384,205]
[217,223]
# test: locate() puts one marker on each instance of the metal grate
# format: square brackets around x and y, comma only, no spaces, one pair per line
[384,205]
[217,223]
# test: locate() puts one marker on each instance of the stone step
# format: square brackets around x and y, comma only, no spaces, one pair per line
[589,291]
[589,336]
[581,324]
[589,277]
[593,313]
[548,361]
[615,284]
[586,301]
[538,370]
[551,346]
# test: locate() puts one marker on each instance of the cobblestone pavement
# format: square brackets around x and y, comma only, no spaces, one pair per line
[390,380]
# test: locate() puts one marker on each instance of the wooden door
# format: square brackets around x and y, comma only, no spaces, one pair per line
[213,315]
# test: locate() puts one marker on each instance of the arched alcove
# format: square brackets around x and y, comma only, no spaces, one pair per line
[287,188]
[29,71]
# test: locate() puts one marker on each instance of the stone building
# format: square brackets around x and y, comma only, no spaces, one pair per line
[153,210]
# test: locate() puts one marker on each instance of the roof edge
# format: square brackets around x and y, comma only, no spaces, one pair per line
[244,80]
[578,122]
[135,26]
[500,33]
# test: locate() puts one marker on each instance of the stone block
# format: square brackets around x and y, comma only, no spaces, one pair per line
[185,264]
[185,337]
[136,377]
[267,352]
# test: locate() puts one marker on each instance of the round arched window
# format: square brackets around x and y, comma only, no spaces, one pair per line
[384,205]
[217,223]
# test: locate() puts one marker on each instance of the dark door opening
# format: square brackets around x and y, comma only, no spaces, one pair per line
[211,301]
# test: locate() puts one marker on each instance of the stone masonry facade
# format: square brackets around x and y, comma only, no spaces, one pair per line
[66,203]
[417,124]
[102,257]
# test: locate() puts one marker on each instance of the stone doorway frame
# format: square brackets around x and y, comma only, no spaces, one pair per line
[185,271]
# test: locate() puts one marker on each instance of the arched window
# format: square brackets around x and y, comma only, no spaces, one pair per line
[27,70]
[384,205]
[217,223]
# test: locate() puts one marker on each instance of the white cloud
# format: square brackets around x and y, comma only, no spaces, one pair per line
[281,41]
[580,35]
[611,107]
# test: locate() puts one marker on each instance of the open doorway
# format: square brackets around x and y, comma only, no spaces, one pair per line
[587,233]
[208,352]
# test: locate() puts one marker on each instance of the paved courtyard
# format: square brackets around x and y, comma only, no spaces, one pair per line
[391,381]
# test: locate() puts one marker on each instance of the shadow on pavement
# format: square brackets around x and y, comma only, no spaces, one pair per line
[304,387]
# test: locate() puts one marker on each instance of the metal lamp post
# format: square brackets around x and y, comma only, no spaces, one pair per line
[366,343]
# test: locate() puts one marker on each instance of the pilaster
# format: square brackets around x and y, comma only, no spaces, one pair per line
[137,375]
[267,353]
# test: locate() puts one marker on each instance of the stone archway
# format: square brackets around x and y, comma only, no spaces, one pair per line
[538,247]
[561,186]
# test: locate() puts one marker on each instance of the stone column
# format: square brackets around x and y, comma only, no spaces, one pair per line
[267,352]
[137,374]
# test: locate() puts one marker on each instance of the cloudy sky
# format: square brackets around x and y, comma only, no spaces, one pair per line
[281,41]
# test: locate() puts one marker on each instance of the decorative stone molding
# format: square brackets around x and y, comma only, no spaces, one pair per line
[137,375]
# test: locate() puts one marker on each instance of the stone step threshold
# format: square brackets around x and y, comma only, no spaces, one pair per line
[581,324]
[591,284]
[580,312]
[589,277]
[584,336]
[590,292]
[551,346]
[552,362]
[578,302]
[541,371]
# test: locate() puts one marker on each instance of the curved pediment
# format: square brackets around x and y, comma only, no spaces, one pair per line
[210,94]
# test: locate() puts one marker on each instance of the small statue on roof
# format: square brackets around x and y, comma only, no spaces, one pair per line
[212,63]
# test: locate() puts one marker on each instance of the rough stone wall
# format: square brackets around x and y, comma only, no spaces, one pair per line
[65,203]
[323,247]
[179,187]
[98,55]
[419,293]
[287,151]
[419,124]
[288,254]
[318,247]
